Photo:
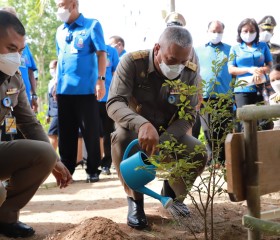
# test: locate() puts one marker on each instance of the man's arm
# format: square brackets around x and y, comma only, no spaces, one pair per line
[100,85]
[120,95]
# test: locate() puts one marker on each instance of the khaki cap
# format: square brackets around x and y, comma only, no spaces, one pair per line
[175,18]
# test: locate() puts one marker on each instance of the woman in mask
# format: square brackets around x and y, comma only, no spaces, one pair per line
[275,98]
[250,61]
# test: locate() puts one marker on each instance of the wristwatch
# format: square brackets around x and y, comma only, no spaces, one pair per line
[34,96]
[101,78]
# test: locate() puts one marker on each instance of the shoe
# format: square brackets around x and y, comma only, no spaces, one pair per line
[167,191]
[136,217]
[91,178]
[81,162]
[105,171]
[15,230]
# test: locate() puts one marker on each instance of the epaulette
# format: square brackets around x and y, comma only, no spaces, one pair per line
[191,66]
[139,54]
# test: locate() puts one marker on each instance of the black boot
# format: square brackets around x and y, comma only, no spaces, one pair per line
[136,217]
[167,191]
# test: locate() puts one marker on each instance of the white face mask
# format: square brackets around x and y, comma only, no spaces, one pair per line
[215,38]
[63,14]
[276,85]
[265,36]
[248,37]
[52,72]
[9,63]
[171,71]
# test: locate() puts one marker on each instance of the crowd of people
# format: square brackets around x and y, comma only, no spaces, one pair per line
[102,97]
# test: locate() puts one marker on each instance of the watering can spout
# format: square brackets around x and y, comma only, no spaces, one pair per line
[165,201]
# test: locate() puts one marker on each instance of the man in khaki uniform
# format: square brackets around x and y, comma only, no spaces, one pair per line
[140,104]
[25,163]
[266,26]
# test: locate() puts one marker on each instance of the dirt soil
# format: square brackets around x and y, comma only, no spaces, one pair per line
[97,211]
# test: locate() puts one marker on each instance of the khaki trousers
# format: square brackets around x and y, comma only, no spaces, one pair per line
[120,140]
[26,163]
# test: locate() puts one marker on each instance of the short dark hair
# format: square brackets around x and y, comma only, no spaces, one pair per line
[275,67]
[8,20]
[250,21]
[118,39]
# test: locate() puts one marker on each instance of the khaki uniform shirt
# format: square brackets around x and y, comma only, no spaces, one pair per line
[26,120]
[275,52]
[136,95]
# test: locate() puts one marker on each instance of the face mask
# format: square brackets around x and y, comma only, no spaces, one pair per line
[52,72]
[171,71]
[276,85]
[215,38]
[9,63]
[63,14]
[265,36]
[248,37]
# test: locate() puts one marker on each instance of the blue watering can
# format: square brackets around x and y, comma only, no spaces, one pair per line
[136,179]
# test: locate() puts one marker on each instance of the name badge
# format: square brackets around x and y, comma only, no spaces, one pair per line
[10,125]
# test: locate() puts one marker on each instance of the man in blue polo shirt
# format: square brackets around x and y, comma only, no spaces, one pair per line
[107,124]
[215,82]
[117,42]
[81,71]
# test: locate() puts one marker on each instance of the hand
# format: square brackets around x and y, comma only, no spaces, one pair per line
[258,78]
[34,105]
[48,119]
[148,138]
[62,175]
[100,90]
[277,98]
[252,70]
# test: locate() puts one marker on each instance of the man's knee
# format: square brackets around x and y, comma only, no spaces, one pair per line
[48,155]
[3,193]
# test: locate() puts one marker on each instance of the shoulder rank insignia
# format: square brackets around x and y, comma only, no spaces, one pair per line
[139,54]
[191,66]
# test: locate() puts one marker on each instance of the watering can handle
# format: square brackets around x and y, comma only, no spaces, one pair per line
[131,145]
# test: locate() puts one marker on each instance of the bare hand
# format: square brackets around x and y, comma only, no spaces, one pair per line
[100,90]
[148,138]
[34,105]
[62,175]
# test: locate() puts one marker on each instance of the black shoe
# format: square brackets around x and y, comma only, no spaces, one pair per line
[136,216]
[167,191]
[15,230]
[91,178]
[106,171]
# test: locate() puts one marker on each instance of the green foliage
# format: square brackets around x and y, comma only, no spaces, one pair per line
[41,116]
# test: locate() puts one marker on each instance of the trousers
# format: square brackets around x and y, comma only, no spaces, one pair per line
[120,140]
[26,163]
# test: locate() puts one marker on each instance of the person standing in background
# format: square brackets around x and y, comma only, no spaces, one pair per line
[215,83]
[117,42]
[106,123]
[251,63]
[81,72]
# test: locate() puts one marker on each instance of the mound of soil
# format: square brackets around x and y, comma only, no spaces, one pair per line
[97,228]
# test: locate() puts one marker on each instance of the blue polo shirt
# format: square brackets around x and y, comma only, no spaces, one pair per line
[206,55]
[257,56]
[27,61]
[122,53]
[111,65]
[76,46]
